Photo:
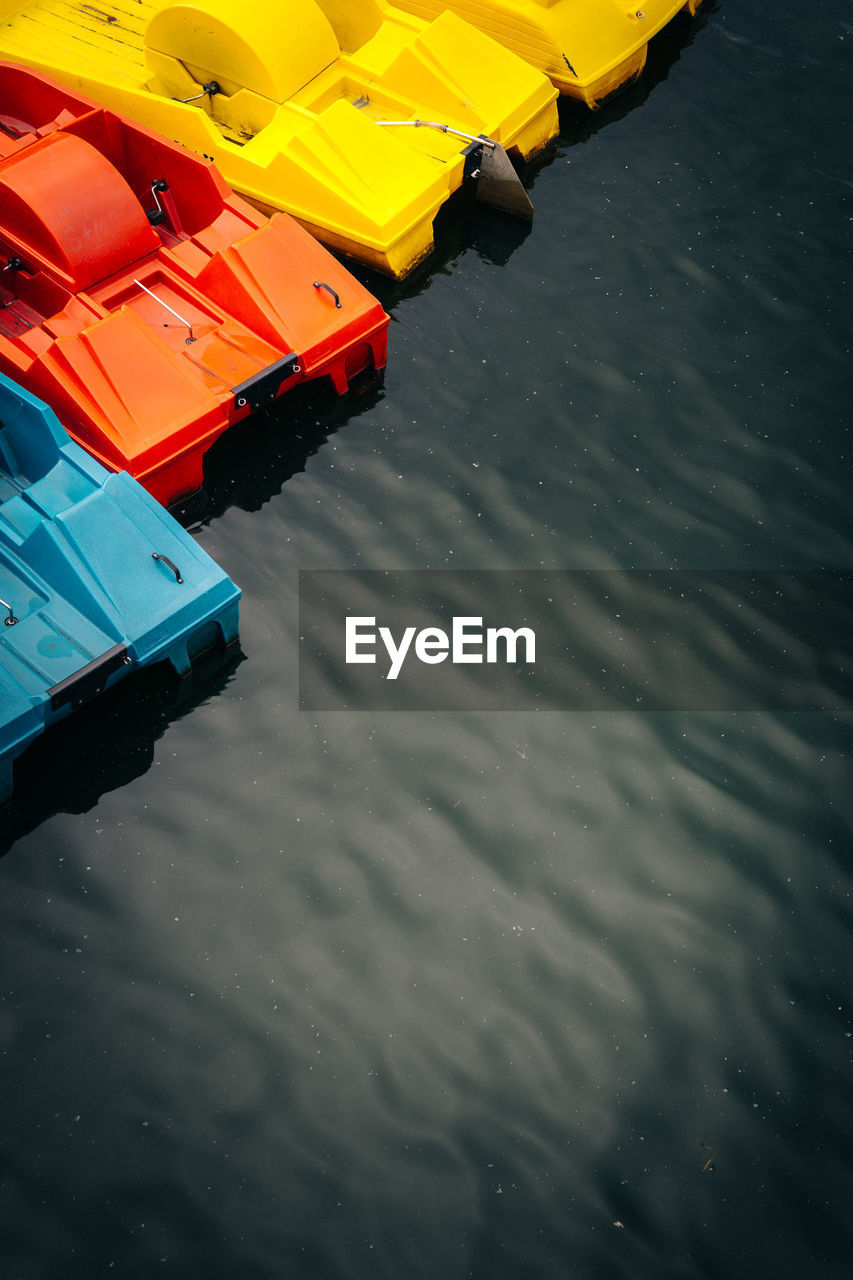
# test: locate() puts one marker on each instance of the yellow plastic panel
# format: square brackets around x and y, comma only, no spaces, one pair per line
[363,189]
[369,177]
[587,47]
[286,130]
[249,44]
[461,76]
[353,24]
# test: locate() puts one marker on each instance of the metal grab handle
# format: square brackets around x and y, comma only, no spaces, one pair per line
[210,88]
[436,124]
[166,307]
[155,555]
[319,284]
[156,186]
[11,620]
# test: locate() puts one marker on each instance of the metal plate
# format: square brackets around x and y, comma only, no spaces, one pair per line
[263,387]
[500,185]
[89,681]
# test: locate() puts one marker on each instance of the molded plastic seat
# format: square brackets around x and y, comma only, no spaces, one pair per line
[88,238]
[272,50]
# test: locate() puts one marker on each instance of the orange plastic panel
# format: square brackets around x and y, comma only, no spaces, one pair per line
[67,205]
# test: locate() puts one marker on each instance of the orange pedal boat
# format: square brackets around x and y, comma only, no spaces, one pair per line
[145,302]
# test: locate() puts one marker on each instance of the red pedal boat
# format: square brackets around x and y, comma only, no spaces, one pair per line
[145,302]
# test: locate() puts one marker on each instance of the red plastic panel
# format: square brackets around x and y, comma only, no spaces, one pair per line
[62,201]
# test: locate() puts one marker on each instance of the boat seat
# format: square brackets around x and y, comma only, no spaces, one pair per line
[353,24]
[69,207]
[273,50]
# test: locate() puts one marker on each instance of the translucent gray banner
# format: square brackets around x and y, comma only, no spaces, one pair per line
[578,640]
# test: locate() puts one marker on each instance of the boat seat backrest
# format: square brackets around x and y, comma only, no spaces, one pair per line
[353,24]
[30,435]
[272,49]
[68,208]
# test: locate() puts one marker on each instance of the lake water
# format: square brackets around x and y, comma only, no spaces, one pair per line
[465,994]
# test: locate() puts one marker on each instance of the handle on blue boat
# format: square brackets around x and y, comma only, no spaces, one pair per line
[320,284]
[11,620]
[155,555]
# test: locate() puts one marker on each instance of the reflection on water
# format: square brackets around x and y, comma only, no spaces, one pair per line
[250,463]
[106,744]
[479,994]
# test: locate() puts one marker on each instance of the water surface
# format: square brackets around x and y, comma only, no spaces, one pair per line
[499,995]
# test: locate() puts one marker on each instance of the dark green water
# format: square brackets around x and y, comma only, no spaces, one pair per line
[481,994]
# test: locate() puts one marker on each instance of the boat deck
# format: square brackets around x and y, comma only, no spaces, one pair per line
[71,35]
[291,125]
[85,43]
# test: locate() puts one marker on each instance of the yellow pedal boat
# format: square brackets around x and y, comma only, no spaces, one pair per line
[289,99]
[588,48]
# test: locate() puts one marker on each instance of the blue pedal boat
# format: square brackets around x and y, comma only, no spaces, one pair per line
[96,579]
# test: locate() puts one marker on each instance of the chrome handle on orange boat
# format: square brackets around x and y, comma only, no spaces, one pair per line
[157,215]
[155,555]
[166,306]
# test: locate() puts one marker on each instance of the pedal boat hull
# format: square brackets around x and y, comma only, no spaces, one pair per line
[97,580]
[589,49]
[145,302]
[289,100]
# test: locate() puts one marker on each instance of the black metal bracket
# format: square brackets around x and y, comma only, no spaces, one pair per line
[90,680]
[473,154]
[263,388]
